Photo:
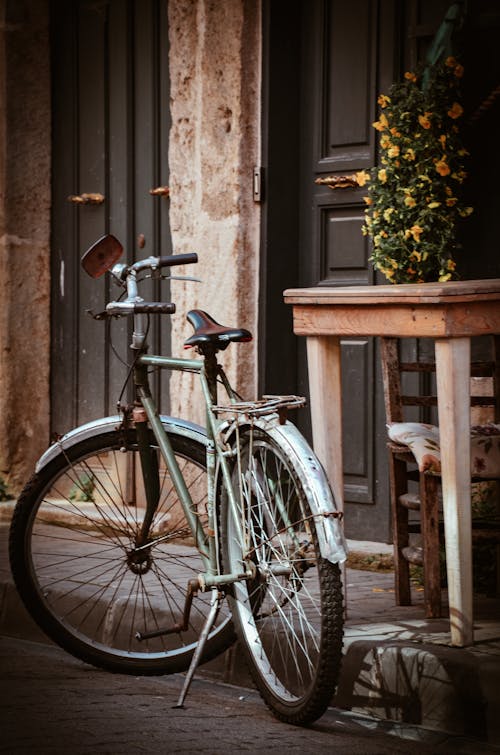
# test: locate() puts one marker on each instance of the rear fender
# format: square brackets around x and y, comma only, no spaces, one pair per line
[312,476]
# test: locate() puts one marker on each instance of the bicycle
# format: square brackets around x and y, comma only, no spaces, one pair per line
[145,544]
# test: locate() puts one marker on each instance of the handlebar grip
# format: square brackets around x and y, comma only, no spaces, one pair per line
[178,259]
[154,308]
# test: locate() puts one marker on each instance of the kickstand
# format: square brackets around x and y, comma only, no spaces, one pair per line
[216,600]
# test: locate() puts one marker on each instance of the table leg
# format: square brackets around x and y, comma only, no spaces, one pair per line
[453,385]
[323,361]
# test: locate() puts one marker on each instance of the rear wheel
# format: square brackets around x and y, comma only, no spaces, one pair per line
[85,575]
[288,615]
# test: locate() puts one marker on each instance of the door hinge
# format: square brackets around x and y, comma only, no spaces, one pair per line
[258,183]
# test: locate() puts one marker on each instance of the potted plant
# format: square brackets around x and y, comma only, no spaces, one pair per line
[414,196]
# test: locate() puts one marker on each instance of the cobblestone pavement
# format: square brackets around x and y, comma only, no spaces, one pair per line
[52,703]
[397,668]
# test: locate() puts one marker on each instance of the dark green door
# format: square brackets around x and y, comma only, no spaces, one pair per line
[343,56]
[326,61]
[110,138]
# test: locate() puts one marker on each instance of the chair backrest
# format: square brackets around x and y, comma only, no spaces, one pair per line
[485,384]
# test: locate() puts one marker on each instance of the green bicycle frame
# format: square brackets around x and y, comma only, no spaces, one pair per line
[205,544]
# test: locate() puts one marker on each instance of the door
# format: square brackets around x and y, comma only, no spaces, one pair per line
[346,62]
[326,61]
[110,140]
[343,56]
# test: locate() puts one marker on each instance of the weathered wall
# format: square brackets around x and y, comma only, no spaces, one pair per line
[24,235]
[214,144]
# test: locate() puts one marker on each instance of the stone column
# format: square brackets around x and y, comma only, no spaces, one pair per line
[214,144]
[24,236]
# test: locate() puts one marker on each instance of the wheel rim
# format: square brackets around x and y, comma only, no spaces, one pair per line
[279,610]
[92,575]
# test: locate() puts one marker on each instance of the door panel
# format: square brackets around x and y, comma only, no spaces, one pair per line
[110,135]
[349,73]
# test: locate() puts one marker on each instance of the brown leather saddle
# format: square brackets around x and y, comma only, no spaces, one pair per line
[207,331]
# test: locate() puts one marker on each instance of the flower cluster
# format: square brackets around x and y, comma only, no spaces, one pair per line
[413,202]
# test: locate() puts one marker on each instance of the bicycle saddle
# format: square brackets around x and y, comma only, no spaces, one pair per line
[206,330]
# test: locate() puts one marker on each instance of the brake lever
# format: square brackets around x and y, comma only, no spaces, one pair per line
[158,276]
[97,315]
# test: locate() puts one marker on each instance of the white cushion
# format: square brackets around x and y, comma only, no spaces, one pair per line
[423,441]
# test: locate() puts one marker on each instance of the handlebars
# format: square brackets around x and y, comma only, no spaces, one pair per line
[103,255]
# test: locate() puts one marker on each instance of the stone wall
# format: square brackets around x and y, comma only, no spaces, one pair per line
[214,145]
[24,235]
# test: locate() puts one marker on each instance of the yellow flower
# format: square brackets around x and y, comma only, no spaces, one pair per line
[417,256]
[466,212]
[383,100]
[424,120]
[368,200]
[433,205]
[456,110]
[442,139]
[382,175]
[382,123]
[444,278]
[362,177]
[451,265]
[416,231]
[409,154]
[451,201]
[395,132]
[442,167]
[387,214]
[409,76]
[393,151]
[410,202]
[385,141]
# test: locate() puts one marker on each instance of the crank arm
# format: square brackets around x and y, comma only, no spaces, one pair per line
[192,590]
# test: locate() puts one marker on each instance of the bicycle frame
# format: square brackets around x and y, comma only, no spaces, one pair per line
[207,369]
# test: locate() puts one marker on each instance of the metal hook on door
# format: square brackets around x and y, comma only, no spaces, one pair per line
[339,182]
[160,191]
[92,198]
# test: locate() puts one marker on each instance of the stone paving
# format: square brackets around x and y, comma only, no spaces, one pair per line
[398,668]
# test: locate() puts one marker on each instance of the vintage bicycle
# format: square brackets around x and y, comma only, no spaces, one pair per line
[145,544]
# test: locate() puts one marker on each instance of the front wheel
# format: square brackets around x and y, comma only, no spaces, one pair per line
[89,577]
[288,615]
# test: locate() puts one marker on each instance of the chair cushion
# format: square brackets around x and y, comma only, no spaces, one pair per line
[423,442]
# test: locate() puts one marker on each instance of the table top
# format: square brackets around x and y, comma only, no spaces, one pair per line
[440,310]
[451,292]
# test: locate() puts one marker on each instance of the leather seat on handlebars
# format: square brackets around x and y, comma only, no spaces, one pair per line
[206,331]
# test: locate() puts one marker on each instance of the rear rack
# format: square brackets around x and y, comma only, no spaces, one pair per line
[263,406]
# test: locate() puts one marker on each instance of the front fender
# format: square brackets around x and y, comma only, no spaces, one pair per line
[108,424]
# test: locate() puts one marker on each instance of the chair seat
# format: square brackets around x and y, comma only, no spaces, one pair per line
[423,442]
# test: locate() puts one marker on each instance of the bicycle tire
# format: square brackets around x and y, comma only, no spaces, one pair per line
[79,574]
[288,616]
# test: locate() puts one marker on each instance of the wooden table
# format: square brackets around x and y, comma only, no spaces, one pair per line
[449,312]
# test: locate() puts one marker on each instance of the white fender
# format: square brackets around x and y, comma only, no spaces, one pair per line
[107,424]
[313,478]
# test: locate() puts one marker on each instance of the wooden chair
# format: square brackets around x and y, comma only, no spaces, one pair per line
[402,467]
